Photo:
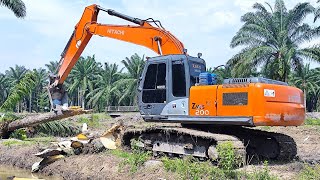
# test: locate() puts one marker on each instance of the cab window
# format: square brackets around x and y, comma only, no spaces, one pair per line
[154,87]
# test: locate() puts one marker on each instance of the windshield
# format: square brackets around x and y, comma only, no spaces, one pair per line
[195,69]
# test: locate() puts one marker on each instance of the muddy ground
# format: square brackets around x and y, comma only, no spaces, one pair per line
[107,166]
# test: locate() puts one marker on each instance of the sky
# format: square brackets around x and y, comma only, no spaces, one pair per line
[205,26]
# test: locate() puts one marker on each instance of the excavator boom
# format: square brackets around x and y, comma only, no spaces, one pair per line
[148,33]
[155,37]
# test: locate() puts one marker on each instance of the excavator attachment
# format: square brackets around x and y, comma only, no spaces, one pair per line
[148,33]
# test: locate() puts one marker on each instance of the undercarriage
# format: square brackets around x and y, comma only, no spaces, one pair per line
[201,142]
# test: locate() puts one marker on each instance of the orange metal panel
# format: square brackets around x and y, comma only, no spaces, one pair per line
[234,110]
[267,104]
[202,101]
[284,108]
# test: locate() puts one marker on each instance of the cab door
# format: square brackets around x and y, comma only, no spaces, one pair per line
[153,87]
[177,103]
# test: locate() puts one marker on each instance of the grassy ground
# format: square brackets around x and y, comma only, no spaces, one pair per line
[312,122]
[121,164]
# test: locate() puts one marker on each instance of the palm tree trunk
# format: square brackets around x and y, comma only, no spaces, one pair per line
[78,96]
[82,99]
[33,120]
[305,99]
[30,102]
[17,107]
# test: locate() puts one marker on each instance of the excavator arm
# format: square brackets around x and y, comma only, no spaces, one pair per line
[148,33]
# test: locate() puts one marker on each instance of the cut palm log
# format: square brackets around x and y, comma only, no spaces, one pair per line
[35,120]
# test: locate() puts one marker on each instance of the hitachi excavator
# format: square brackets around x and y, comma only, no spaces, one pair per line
[175,89]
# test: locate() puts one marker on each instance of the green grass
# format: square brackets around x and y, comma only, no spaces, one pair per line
[263,174]
[190,168]
[134,159]
[309,172]
[89,122]
[94,119]
[14,142]
[42,139]
[29,141]
[100,116]
[313,122]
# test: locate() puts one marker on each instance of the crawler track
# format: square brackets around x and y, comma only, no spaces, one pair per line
[179,141]
[268,145]
[259,144]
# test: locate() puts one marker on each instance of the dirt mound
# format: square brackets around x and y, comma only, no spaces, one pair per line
[21,157]
[89,166]
[307,140]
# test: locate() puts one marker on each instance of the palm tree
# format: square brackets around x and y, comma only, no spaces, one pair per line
[4,90]
[20,90]
[105,90]
[134,65]
[52,66]
[272,38]
[16,74]
[308,80]
[317,13]
[82,77]
[221,72]
[17,6]
[39,93]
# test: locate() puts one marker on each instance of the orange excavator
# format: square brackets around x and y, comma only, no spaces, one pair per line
[175,88]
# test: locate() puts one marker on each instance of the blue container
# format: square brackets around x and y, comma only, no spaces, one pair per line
[205,78]
[208,79]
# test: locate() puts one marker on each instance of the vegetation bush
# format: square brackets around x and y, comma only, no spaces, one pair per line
[19,134]
[311,121]
[91,122]
[310,172]
[228,158]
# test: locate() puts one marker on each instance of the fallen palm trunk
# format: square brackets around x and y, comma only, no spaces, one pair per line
[35,120]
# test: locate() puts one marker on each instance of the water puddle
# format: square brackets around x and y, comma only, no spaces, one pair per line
[8,172]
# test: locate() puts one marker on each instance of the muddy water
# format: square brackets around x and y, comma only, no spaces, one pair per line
[7,172]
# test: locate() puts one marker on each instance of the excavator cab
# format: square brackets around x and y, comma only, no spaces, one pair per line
[165,82]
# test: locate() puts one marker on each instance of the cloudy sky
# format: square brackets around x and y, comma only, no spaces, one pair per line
[205,26]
